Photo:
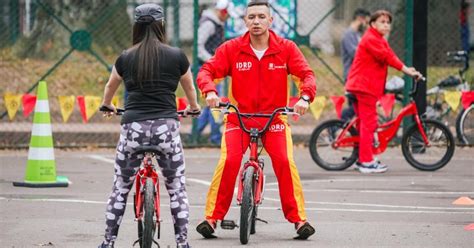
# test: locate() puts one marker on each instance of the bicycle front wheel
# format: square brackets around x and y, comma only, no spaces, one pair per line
[465,126]
[322,151]
[428,158]
[247,206]
[149,220]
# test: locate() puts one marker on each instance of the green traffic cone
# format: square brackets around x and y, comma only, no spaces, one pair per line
[41,166]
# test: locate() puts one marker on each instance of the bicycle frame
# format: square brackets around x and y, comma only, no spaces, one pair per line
[385,132]
[258,165]
[146,171]
[254,161]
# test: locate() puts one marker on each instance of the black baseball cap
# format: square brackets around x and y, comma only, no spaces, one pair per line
[149,12]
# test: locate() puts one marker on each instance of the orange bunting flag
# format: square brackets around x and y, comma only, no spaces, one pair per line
[467,99]
[387,101]
[452,98]
[338,101]
[291,103]
[29,102]
[66,105]
[181,103]
[88,105]
[82,108]
[12,103]
[317,106]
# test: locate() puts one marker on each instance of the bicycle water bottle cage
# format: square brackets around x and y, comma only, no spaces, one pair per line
[450,81]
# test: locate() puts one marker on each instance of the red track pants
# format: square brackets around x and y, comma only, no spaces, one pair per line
[365,107]
[279,146]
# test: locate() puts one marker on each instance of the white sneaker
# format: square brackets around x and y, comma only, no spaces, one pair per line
[372,167]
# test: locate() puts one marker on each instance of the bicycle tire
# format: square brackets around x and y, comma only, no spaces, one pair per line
[318,141]
[421,156]
[465,125]
[149,223]
[247,206]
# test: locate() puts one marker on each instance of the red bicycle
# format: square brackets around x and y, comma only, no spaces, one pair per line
[146,200]
[251,178]
[427,145]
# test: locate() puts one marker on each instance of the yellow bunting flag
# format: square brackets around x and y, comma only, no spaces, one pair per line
[66,104]
[92,104]
[216,115]
[317,106]
[12,103]
[452,98]
[115,101]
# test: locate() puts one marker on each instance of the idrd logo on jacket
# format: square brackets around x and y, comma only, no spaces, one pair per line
[276,128]
[243,66]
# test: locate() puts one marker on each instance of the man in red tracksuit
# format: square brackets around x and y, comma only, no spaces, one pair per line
[366,81]
[259,63]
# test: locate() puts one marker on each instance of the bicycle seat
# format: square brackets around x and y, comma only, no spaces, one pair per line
[450,81]
[145,149]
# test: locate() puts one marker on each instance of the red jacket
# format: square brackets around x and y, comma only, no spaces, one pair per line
[258,85]
[368,72]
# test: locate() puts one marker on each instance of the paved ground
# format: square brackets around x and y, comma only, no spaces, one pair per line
[403,207]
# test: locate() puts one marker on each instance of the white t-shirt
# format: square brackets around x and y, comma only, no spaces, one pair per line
[259,53]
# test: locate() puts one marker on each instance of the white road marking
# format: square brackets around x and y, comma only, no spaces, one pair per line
[260,207]
[386,191]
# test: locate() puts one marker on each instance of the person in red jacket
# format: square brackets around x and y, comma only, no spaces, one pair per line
[259,63]
[366,81]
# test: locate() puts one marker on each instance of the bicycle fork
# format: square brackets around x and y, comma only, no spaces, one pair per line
[140,180]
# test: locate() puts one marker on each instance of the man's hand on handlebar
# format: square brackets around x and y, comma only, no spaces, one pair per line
[301,107]
[212,99]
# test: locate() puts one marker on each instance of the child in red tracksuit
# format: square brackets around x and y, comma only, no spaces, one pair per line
[366,81]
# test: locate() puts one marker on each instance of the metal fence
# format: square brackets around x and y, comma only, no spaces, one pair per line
[73,44]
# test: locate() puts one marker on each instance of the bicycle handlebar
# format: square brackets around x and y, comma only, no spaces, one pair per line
[457,53]
[282,110]
[120,111]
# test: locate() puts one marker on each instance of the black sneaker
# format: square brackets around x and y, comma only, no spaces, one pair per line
[206,229]
[303,230]
[183,246]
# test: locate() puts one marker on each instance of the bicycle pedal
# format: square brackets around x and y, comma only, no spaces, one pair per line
[264,221]
[228,224]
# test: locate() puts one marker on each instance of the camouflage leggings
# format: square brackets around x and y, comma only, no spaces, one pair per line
[165,134]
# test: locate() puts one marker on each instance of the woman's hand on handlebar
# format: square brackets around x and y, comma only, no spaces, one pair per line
[193,111]
[110,110]
[212,99]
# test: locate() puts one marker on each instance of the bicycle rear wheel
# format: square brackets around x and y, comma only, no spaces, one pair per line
[322,151]
[428,158]
[148,225]
[465,126]
[247,206]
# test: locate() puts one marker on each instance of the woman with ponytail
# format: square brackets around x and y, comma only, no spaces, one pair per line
[151,71]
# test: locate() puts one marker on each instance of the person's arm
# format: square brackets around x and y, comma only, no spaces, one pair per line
[215,68]
[350,42]
[380,49]
[110,88]
[189,90]
[299,67]
[204,32]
